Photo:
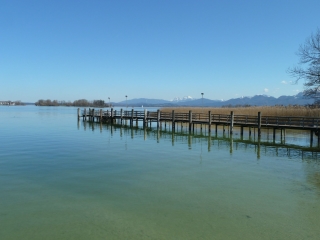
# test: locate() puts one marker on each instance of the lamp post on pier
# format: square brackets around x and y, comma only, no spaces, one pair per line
[126,102]
[109,102]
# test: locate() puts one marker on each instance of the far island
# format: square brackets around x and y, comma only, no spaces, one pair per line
[76,103]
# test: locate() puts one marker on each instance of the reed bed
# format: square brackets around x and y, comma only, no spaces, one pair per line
[283,111]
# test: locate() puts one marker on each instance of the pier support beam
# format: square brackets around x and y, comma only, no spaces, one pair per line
[231,122]
[190,120]
[158,119]
[173,121]
[131,119]
[145,118]
[121,114]
[209,122]
[259,124]
[111,116]
[274,134]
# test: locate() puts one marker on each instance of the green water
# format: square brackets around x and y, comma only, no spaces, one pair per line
[60,179]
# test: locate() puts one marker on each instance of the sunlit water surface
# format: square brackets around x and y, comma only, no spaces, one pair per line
[60,179]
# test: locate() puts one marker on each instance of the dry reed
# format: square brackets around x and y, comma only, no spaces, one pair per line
[289,111]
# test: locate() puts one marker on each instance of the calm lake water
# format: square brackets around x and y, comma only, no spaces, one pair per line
[64,179]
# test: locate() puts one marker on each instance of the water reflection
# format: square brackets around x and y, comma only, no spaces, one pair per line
[262,147]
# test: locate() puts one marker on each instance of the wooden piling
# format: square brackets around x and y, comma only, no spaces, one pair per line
[131,120]
[209,122]
[231,122]
[121,115]
[111,115]
[173,120]
[158,118]
[274,134]
[190,120]
[145,118]
[259,124]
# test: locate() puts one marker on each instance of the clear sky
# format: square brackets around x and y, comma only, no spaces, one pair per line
[95,49]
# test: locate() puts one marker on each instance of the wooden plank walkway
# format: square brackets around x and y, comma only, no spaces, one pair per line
[249,121]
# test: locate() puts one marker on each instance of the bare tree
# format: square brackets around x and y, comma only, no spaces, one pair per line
[309,66]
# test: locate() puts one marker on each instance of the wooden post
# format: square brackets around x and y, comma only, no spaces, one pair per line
[274,134]
[78,113]
[89,114]
[111,115]
[121,114]
[145,118]
[100,115]
[173,121]
[137,119]
[259,124]
[241,131]
[311,138]
[190,120]
[231,122]
[131,121]
[209,122]
[85,114]
[158,119]
[92,114]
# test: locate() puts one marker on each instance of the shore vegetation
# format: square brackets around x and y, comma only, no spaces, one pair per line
[285,111]
[76,103]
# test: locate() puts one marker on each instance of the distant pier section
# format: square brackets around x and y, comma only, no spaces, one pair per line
[191,119]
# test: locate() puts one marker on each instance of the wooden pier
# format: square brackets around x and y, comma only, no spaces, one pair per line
[230,121]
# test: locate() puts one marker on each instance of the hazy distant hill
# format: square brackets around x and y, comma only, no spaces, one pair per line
[257,100]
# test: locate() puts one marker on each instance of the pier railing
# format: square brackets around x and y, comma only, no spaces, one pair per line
[299,122]
[191,119]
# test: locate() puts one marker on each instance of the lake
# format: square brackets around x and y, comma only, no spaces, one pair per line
[64,179]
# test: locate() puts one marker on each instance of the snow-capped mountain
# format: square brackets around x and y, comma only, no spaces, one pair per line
[257,100]
[183,99]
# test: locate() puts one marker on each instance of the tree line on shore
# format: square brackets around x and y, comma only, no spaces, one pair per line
[76,103]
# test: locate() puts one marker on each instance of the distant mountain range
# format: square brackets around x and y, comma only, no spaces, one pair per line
[257,100]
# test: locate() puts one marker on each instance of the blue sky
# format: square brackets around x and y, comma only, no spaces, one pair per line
[68,50]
